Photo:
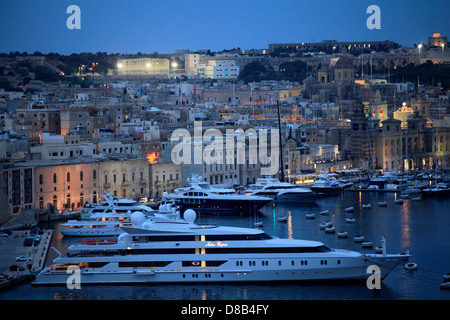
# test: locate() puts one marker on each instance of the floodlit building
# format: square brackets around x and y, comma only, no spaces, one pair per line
[143,67]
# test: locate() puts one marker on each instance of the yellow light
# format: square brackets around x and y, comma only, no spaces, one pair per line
[152,157]
[119,65]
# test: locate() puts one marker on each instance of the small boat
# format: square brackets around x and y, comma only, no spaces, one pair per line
[411,266]
[382,204]
[258,224]
[367,206]
[445,285]
[330,230]
[367,244]
[282,219]
[349,209]
[399,201]
[350,220]
[310,216]
[325,225]
[324,212]
[343,234]
[416,199]
[359,238]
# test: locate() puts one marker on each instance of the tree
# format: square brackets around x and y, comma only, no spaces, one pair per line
[293,71]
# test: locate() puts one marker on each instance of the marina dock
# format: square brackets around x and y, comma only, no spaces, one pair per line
[12,247]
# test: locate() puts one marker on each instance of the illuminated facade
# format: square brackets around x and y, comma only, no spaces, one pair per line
[219,69]
[143,67]
[70,184]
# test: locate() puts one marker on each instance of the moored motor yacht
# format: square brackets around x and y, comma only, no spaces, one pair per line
[325,185]
[151,252]
[111,225]
[440,190]
[281,191]
[113,205]
[202,197]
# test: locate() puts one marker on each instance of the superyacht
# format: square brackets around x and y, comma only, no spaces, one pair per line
[111,225]
[202,197]
[113,205]
[185,252]
[281,191]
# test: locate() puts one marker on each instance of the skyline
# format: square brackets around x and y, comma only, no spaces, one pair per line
[166,26]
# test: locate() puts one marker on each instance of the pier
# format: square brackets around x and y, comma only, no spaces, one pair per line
[12,247]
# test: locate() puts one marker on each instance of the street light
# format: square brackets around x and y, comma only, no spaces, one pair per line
[419,46]
[443,46]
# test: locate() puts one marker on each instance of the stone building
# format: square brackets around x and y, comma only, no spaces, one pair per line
[416,146]
[164,177]
[70,184]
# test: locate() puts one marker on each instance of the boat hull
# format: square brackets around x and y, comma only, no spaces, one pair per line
[326,190]
[306,197]
[441,194]
[214,205]
[237,270]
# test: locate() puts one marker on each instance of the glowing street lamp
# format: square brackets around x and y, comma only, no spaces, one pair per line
[420,47]
[120,65]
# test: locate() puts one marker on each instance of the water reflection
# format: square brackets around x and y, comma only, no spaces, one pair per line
[405,223]
[421,227]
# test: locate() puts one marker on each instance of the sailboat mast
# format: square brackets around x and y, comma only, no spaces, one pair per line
[280,142]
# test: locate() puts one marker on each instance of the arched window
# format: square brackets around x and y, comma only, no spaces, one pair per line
[54,178]
[94,197]
[81,175]
[41,179]
[94,174]
[68,176]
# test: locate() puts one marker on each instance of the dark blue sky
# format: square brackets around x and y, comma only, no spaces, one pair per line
[166,25]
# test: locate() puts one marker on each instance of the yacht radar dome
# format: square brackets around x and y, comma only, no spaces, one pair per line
[137,218]
[189,216]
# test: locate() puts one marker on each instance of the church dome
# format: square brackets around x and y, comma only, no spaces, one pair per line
[344,61]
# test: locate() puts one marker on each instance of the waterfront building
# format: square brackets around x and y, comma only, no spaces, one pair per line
[164,177]
[69,184]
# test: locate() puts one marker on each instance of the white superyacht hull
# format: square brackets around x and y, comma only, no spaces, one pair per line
[244,269]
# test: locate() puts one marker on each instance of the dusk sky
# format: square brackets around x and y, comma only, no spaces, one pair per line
[167,25]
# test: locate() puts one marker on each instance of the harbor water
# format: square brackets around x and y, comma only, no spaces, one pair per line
[422,227]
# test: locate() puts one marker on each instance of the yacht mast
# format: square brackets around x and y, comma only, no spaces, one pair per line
[280,142]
